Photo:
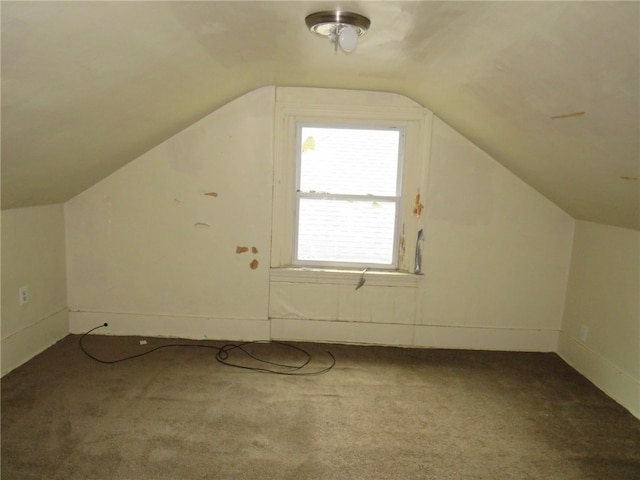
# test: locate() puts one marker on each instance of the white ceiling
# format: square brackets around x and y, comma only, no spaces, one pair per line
[89,86]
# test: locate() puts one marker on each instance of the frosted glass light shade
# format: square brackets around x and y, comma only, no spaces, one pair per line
[348,39]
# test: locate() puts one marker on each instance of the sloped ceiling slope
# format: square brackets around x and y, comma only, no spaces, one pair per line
[549,89]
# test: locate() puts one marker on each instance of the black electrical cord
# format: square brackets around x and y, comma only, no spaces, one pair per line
[223,355]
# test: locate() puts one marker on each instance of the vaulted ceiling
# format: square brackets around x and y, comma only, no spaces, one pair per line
[549,89]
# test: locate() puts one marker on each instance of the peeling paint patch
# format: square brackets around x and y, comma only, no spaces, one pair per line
[417,206]
[211,194]
[240,249]
[201,225]
[254,250]
[254,264]
[402,248]
[567,115]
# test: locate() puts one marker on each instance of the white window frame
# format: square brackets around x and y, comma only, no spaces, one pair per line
[415,121]
[396,199]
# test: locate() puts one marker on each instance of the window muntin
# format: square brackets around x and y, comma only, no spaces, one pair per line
[348,194]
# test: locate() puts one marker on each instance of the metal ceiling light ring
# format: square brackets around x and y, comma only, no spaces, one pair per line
[341,28]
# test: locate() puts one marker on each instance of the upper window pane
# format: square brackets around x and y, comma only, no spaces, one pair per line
[353,161]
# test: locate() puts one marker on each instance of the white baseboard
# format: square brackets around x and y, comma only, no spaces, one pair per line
[341,332]
[151,325]
[603,373]
[484,338]
[27,343]
[474,338]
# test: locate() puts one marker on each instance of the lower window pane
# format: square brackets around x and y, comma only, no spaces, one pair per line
[346,231]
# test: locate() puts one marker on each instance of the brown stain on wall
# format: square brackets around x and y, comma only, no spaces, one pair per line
[254,263]
[417,207]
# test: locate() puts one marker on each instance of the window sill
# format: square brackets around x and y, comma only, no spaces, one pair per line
[344,276]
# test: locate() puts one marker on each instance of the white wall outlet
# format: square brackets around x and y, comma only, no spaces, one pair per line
[23,295]
[584,333]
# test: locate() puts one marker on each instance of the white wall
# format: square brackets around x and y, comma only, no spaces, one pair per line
[495,262]
[496,253]
[150,253]
[603,296]
[33,255]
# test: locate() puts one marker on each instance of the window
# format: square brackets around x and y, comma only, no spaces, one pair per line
[348,167]
[348,195]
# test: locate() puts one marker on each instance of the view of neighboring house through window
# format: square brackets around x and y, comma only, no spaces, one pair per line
[348,192]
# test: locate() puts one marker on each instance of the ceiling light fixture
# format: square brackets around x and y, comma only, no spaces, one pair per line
[342,28]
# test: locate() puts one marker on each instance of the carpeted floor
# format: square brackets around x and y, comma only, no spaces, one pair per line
[380,413]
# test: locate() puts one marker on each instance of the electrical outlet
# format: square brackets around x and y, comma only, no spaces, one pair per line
[584,333]
[23,295]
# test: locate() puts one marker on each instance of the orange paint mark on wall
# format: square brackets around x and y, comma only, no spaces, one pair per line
[417,207]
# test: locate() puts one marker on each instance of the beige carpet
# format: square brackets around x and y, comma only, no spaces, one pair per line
[380,413]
